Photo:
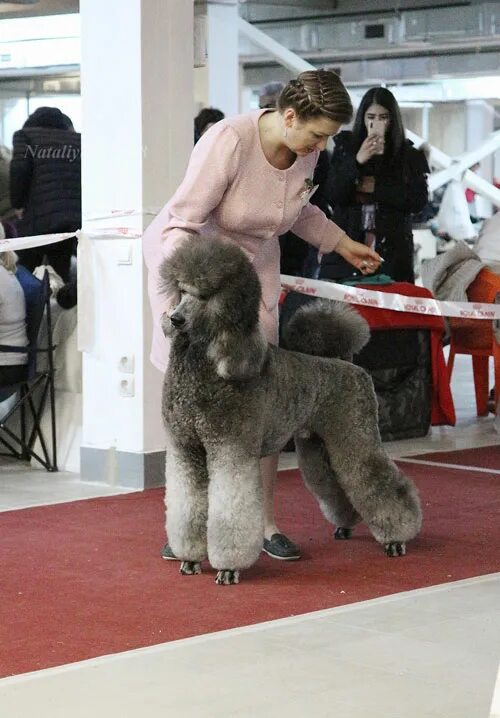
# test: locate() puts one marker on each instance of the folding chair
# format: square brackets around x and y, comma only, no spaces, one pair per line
[479,339]
[38,383]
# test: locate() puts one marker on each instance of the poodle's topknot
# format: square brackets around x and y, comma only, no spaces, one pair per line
[206,266]
[326,328]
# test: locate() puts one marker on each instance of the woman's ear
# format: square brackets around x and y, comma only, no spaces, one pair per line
[238,356]
[289,117]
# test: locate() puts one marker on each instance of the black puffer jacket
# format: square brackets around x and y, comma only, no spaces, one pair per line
[45,180]
[400,191]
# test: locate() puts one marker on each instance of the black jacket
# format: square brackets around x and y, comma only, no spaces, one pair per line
[45,180]
[400,190]
[294,250]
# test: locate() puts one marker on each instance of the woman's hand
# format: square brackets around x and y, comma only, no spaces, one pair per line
[371,146]
[359,255]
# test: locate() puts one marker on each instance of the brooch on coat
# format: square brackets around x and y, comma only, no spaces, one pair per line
[307,190]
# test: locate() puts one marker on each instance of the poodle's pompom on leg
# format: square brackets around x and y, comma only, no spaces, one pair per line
[235,514]
[186,500]
[385,499]
[321,481]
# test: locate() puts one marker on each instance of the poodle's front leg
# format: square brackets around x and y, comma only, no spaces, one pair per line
[186,499]
[322,482]
[235,514]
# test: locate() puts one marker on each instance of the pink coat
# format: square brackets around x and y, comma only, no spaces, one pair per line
[231,191]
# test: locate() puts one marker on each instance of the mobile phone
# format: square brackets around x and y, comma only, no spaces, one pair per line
[376,127]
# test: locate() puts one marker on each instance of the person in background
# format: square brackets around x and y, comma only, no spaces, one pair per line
[268,95]
[45,182]
[12,322]
[6,211]
[204,120]
[376,181]
[248,181]
[470,196]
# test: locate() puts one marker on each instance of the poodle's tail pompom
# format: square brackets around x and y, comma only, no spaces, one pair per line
[326,328]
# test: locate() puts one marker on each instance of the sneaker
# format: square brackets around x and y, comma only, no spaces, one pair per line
[168,554]
[279,546]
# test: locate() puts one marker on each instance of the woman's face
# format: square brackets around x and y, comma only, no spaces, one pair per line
[379,115]
[305,136]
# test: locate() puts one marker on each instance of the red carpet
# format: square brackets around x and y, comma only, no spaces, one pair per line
[483,457]
[85,579]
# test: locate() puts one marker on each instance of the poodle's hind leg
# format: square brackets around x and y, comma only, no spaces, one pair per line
[385,499]
[186,499]
[235,512]
[322,482]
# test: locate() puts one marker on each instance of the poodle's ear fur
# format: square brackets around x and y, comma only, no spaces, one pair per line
[238,356]
[222,275]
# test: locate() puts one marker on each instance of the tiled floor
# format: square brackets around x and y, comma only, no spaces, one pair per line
[432,653]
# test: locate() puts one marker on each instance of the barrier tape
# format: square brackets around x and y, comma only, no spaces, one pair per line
[312,287]
[384,300]
[40,240]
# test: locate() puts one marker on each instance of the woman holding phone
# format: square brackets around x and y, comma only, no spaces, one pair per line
[376,181]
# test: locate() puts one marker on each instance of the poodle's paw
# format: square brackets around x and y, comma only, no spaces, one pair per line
[342,534]
[190,568]
[226,577]
[395,548]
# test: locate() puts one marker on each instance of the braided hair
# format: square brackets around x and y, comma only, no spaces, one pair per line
[317,93]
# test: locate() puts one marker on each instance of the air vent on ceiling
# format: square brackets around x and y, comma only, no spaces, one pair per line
[374,31]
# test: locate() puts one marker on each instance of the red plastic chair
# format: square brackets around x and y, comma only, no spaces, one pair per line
[477,338]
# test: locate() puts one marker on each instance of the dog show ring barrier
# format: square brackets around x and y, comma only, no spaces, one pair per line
[311,287]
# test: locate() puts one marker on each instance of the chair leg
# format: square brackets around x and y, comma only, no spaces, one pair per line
[22,415]
[496,375]
[451,361]
[480,371]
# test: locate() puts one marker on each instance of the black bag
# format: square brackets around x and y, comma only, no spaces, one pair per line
[399,363]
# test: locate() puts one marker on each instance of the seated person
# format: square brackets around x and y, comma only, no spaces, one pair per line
[12,322]
[487,245]
[66,297]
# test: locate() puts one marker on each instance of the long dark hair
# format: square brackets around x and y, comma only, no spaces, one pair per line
[206,116]
[395,135]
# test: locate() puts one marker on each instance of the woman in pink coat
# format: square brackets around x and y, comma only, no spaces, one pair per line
[249,180]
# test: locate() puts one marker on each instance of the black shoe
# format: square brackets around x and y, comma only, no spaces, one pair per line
[280,547]
[342,534]
[168,554]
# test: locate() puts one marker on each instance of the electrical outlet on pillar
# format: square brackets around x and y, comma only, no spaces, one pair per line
[126,386]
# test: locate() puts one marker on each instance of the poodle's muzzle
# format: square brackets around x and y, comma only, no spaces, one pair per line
[177,318]
[181,316]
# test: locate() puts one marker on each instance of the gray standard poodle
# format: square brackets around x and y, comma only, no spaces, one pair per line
[230,398]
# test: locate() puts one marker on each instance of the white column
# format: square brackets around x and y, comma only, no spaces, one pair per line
[479,123]
[425,121]
[137,118]
[223,58]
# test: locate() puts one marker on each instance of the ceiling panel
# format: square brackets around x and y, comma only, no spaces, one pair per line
[40,7]
[311,4]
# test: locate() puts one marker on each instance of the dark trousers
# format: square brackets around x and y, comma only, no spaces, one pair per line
[12,374]
[58,256]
